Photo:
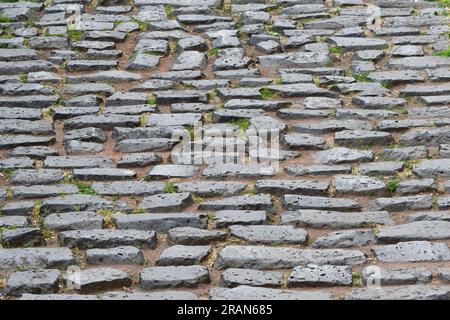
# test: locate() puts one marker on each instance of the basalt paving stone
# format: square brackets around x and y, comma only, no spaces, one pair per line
[117,255]
[22,237]
[119,125]
[181,255]
[82,220]
[396,276]
[107,238]
[160,222]
[33,176]
[31,258]
[96,279]
[21,208]
[173,276]
[224,218]
[314,275]
[264,257]
[412,251]
[415,292]
[38,281]
[345,239]
[244,292]
[269,234]
[194,236]
[335,219]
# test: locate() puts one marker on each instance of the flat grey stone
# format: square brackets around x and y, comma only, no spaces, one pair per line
[103,174]
[238,170]
[420,230]
[106,238]
[355,138]
[224,218]
[356,43]
[269,234]
[433,168]
[281,187]
[172,171]
[300,170]
[93,280]
[429,216]
[303,141]
[342,155]
[211,188]
[412,251]
[166,202]
[181,255]
[138,160]
[383,168]
[255,293]
[157,295]
[32,176]
[30,258]
[160,222]
[38,281]
[244,202]
[416,186]
[13,222]
[378,102]
[293,202]
[444,275]
[83,220]
[315,275]
[345,239]
[194,236]
[234,277]
[264,257]
[22,237]
[117,255]
[173,276]
[128,188]
[404,154]
[416,202]
[294,60]
[396,276]
[358,185]
[80,202]
[335,219]
[43,191]
[16,163]
[21,208]
[416,292]
[72,162]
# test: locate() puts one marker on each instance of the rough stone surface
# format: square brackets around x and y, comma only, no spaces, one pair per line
[300,132]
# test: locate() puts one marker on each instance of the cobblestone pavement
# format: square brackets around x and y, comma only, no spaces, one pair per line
[109,112]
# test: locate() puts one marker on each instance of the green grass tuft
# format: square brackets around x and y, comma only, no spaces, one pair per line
[267,93]
[242,123]
[392,185]
[7,172]
[213,52]
[170,187]
[443,53]
[84,188]
[75,35]
[168,9]
[362,77]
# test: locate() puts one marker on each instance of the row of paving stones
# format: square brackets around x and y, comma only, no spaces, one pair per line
[90,111]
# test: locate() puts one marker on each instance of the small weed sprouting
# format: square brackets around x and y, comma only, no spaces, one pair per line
[392,185]
[267,94]
[84,188]
[170,187]
[336,50]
